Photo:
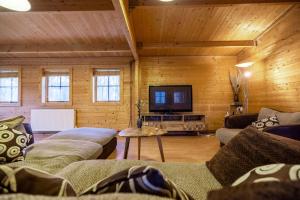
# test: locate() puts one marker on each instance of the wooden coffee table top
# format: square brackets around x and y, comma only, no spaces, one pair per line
[145,131]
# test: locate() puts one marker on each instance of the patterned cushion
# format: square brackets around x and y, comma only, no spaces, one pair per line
[139,179]
[273,172]
[249,149]
[12,144]
[31,181]
[275,181]
[266,122]
[13,122]
[284,190]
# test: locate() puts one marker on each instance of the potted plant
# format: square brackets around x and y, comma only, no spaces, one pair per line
[139,106]
[235,81]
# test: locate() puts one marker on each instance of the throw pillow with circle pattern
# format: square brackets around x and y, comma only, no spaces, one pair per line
[269,173]
[267,122]
[12,144]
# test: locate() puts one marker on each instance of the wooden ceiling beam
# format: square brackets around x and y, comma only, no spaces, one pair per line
[56,48]
[134,3]
[121,9]
[198,44]
[67,5]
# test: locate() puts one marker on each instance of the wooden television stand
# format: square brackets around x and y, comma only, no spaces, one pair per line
[177,124]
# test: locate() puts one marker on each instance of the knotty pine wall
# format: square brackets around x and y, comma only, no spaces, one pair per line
[208,75]
[88,114]
[212,93]
[276,73]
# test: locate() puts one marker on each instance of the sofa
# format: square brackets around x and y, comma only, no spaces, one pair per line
[196,179]
[289,124]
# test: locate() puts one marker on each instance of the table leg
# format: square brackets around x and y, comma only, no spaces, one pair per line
[160,148]
[126,147]
[139,148]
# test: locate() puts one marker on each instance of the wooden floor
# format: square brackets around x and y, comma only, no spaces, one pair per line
[176,148]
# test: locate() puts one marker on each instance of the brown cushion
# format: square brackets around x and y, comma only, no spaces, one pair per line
[269,173]
[13,122]
[265,123]
[12,144]
[249,149]
[31,181]
[286,190]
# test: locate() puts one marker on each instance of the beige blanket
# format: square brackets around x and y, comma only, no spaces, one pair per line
[90,197]
[193,178]
[54,148]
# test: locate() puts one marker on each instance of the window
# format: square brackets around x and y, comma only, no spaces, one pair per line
[160,97]
[9,87]
[56,87]
[107,85]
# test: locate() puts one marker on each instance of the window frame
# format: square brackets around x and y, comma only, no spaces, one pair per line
[46,72]
[94,85]
[19,76]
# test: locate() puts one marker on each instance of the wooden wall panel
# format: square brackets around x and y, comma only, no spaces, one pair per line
[88,114]
[209,76]
[276,72]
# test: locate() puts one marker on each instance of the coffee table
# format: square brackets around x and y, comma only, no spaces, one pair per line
[143,132]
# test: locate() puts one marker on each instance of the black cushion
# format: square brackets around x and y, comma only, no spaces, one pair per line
[139,179]
[290,131]
[28,129]
[240,121]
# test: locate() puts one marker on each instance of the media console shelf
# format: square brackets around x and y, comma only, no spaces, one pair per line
[177,123]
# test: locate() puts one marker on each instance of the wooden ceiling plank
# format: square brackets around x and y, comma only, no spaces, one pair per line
[198,44]
[134,3]
[120,8]
[56,48]
[67,5]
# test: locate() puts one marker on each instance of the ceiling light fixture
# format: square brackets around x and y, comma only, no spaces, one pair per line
[245,65]
[248,74]
[17,5]
[166,0]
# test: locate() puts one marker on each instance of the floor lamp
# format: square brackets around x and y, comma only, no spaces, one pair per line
[244,70]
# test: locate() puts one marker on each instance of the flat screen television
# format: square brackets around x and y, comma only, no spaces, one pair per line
[170,98]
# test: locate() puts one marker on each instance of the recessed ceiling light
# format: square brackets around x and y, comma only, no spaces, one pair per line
[17,5]
[166,0]
[245,65]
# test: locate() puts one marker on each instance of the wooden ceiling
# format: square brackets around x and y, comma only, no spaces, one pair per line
[159,24]
[88,28]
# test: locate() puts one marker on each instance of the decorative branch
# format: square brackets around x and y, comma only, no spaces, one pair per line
[235,81]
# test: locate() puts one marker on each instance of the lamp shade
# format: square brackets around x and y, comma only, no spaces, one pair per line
[245,64]
[17,5]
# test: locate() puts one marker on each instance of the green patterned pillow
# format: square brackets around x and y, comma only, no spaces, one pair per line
[12,144]
[13,122]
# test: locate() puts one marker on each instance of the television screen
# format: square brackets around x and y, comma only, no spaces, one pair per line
[169,98]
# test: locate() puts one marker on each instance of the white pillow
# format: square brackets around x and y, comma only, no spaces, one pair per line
[266,113]
[288,118]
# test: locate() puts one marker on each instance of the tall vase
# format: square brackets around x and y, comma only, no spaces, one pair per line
[139,123]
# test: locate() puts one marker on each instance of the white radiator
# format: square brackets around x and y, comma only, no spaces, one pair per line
[52,119]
